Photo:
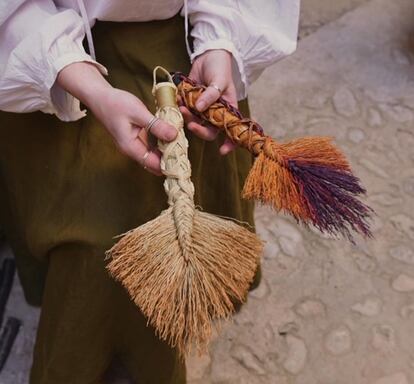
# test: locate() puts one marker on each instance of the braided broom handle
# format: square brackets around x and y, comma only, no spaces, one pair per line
[309,177]
[241,130]
[175,164]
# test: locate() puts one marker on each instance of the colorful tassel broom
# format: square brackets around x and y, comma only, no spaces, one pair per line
[308,178]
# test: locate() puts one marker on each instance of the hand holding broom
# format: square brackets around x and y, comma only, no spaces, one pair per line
[308,178]
[186,268]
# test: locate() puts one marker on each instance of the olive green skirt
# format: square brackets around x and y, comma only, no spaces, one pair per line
[66,192]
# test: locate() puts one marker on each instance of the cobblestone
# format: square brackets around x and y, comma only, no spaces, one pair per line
[297,354]
[403,283]
[339,341]
[383,338]
[371,306]
[309,307]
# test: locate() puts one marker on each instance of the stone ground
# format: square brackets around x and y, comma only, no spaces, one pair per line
[326,312]
[317,13]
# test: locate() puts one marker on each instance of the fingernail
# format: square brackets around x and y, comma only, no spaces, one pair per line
[201,105]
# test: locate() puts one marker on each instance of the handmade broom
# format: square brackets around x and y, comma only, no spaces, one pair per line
[308,178]
[186,268]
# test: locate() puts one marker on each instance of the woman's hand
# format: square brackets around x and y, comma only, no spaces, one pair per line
[125,116]
[214,69]
[121,113]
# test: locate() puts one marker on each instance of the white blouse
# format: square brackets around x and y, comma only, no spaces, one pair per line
[40,37]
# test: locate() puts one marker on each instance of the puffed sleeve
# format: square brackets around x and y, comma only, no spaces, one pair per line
[36,41]
[257,33]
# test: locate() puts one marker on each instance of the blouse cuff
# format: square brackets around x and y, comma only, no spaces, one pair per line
[239,73]
[59,102]
[28,80]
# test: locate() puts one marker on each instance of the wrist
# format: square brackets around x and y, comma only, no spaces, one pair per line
[221,52]
[84,81]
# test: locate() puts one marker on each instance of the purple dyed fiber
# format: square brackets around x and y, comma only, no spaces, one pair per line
[330,195]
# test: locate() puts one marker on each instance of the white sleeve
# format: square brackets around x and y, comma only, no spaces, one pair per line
[257,33]
[36,41]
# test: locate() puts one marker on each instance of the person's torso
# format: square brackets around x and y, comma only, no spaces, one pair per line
[126,10]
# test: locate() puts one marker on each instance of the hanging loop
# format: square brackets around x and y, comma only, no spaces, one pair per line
[165,92]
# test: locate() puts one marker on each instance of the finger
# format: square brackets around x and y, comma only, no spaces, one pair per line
[230,95]
[189,116]
[227,147]
[159,128]
[138,152]
[208,133]
[198,126]
[180,100]
[208,97]
[150,141]
[144,137]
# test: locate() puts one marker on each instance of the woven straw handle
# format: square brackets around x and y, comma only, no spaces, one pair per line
[174,163]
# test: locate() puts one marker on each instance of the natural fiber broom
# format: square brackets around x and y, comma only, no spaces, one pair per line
[186,268]
[308,178]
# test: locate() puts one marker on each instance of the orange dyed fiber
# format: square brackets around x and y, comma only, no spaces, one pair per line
[308,178]
[271,181]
